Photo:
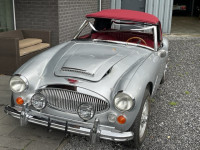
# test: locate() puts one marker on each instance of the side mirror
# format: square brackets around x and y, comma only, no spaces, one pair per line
[162,53]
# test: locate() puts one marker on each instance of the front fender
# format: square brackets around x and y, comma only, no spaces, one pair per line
[131,84]
[145,74]
[38,64]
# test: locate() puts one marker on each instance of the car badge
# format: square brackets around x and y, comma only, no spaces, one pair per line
[73,81]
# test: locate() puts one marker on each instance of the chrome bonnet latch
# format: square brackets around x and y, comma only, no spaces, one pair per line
[95,131]
[24,115]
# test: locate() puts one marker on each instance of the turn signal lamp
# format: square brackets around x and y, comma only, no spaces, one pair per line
[19,101]
[121,119]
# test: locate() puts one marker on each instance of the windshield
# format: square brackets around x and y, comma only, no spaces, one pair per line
[121,32]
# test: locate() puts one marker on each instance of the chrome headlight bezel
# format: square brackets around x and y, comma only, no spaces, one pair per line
[86,111]
[124,99]
[21,81]
[43,101]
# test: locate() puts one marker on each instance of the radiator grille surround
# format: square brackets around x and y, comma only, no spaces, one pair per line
[67,100]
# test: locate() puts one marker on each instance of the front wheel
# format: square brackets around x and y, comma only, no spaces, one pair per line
[163,77]
[139,128]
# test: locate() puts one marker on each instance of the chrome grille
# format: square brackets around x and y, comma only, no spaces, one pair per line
[66,100]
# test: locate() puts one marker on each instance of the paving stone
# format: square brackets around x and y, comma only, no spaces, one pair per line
[6,129]
[36,132]
[4,83]
[7,148]
[14,143]
[5,97]
[2,114]
[38,145]
[9,120]
[5,87]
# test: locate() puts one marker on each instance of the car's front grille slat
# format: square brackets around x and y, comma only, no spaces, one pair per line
[66,100]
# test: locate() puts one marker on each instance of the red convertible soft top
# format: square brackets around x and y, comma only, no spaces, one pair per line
[122,14]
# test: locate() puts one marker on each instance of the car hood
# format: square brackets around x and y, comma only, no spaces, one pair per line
[106,64]
[90,61]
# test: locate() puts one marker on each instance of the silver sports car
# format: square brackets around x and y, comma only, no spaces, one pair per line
[98,84]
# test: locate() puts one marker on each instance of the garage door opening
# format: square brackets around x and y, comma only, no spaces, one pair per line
[186,17]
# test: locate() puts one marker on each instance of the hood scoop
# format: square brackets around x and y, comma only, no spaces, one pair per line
[88,61]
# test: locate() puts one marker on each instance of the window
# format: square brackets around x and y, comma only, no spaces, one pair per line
[6,15]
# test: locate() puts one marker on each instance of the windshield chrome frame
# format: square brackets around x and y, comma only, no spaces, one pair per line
[86,22]
[83,25]
[124,43]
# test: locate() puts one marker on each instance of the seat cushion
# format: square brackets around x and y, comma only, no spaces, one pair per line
[103,36]
[37,47]
[28,42]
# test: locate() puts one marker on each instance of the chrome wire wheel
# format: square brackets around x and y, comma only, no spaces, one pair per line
[144,119]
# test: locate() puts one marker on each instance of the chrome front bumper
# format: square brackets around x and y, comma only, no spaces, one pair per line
[97,131]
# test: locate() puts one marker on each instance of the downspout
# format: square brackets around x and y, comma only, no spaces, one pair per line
[14,19]
[193,1]
[100,5]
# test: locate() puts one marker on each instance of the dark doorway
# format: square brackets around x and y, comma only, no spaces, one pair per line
[138,5]
[186,17]
[186,7]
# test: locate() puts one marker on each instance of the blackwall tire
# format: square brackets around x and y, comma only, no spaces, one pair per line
[163,79]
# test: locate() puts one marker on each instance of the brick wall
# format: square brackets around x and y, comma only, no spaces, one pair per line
[72,14]
[106,4]
[38,14]
[62,17]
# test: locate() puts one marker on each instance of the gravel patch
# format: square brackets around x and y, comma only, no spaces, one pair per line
[175,114]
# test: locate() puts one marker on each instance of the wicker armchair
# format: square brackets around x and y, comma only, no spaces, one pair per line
[16,47]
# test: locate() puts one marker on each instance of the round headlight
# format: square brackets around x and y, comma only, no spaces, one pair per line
[123,102]
[18,84]
[86,111]
[38,101]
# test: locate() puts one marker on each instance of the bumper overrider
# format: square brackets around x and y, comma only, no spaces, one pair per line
[50,121]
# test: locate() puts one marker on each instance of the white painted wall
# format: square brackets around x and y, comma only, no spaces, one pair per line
[163,10]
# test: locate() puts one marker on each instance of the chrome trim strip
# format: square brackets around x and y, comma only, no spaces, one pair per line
[155,39]
[84,24]
[141,29]
[76,70]
[93,28]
